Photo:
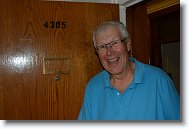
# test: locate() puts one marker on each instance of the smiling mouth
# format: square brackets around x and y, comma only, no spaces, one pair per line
[113,60]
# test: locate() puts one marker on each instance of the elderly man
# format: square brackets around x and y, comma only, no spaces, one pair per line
[126,89]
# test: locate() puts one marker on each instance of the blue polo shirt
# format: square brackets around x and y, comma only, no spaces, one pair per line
[150,96]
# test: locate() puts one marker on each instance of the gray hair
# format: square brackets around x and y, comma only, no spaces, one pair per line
[107,24]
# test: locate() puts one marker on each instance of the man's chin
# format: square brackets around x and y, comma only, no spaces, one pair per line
[113,72]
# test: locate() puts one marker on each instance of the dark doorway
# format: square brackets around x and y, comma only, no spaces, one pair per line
[165,42]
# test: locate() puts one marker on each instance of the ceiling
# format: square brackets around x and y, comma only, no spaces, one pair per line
[120,2]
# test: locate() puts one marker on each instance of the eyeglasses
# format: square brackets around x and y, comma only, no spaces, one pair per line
[101,49]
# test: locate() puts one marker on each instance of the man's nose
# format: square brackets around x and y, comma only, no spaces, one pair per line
[109,50]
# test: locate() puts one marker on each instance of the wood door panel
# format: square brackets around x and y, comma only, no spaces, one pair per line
[25,92]
[137,23]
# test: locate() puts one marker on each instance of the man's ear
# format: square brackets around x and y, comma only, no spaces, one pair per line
[129,47]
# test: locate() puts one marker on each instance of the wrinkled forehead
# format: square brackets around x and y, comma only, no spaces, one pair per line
[108,33]
[106,28]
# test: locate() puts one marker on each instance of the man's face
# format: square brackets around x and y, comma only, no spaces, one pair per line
[114,59]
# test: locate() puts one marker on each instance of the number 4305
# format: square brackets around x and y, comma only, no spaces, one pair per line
[53,24]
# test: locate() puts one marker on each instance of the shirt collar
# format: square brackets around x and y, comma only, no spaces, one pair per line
[107,80]
[139,71]
[138,74]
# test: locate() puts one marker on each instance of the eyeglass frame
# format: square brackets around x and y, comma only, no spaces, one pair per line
[110,44]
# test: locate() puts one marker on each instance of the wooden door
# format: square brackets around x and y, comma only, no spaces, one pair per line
[138,28]
[33,32]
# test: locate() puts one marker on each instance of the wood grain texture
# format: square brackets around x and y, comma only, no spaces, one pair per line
[26,93]
[138,28]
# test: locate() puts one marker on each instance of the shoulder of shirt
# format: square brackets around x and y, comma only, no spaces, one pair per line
[154,71]
[97,79]
[146,69]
